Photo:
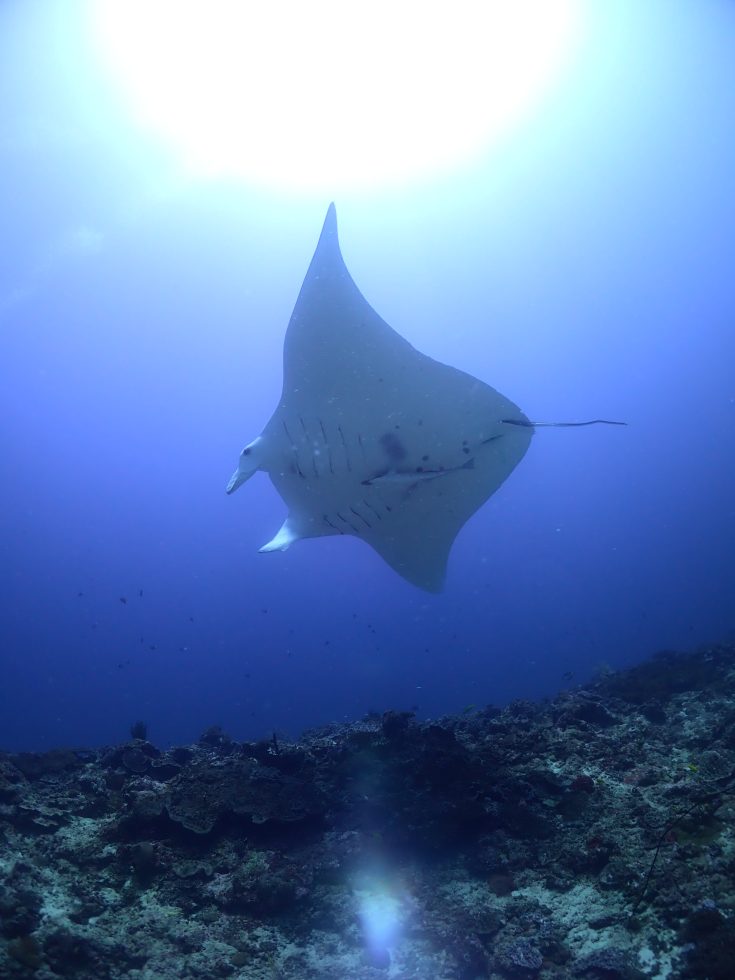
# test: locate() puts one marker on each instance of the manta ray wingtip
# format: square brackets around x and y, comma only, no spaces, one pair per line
[283,539]
[330,220]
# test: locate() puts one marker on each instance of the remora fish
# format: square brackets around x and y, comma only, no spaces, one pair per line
[409,478]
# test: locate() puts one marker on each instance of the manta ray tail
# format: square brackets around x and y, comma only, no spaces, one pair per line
[536,425]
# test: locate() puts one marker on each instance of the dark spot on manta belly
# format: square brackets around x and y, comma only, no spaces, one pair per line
[394,448]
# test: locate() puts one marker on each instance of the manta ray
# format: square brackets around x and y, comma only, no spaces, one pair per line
[375,439]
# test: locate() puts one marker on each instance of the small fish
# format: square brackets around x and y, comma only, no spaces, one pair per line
[140,593]
[123,600]
[410,478]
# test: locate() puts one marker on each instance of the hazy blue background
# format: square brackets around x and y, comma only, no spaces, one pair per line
[585,267]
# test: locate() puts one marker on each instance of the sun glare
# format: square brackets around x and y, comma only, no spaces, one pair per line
[332,93]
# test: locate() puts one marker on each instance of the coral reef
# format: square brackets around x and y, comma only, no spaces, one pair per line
[587,837]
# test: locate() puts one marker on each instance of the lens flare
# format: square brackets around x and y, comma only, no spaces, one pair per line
[381,919]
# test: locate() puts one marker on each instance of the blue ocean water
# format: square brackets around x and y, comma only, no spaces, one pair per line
[583,267]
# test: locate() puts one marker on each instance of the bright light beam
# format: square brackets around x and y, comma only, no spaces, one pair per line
[332,94]
[381,918]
